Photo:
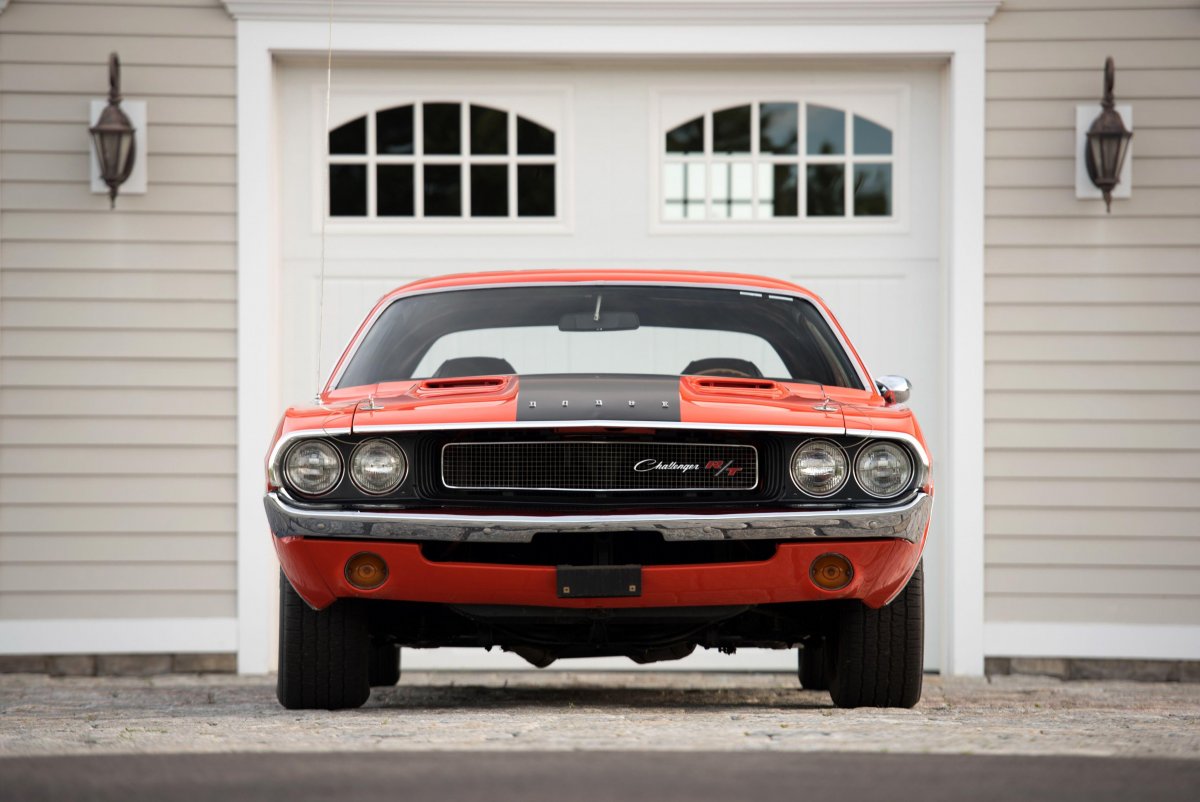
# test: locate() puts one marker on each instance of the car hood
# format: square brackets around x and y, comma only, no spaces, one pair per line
[599,399]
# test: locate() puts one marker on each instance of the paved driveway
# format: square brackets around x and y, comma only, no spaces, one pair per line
[591,737]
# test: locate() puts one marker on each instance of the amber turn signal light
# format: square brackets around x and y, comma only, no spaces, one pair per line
[831,572]
[366,571]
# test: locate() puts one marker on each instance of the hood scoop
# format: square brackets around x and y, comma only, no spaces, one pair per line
[466,385]
[729,386]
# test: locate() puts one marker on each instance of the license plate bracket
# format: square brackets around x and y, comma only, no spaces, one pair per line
[599,581]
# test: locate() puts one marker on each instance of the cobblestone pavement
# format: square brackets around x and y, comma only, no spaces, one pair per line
[596,711]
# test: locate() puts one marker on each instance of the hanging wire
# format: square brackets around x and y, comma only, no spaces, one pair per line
[325,204]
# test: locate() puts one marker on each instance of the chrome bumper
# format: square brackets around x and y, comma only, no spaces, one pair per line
[906,522]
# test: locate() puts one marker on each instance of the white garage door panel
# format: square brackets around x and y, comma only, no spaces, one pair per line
[883,280]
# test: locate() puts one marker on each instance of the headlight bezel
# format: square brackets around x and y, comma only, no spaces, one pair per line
[404,461]
[837,448]
[865,448]
[286,467]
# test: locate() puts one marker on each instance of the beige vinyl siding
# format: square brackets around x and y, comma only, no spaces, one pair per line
[118,334]
[1092,321]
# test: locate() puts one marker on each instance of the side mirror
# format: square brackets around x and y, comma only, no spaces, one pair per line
[894,389]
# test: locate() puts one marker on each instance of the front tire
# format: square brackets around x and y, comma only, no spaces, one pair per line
[876,657]
[813,676]
[384,670]
[323,654]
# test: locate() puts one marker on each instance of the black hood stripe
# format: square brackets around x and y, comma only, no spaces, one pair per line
[584,397]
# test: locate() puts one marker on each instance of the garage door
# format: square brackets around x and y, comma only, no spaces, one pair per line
[825,176]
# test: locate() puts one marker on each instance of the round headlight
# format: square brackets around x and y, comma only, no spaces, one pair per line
[378,466]
[819,467]
[883,469]
[313,467]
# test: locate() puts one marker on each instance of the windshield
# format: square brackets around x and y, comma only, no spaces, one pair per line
[592,329]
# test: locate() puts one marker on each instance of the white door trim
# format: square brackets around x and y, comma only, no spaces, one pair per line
[259,338]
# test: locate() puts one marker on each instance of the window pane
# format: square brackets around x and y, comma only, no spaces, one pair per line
[777,125]
[394,131]
[826,130]
[394,190]
[349,139]
[731,130]
[687,138]
[489,190]
[732,190]
[347,190]
[535,190]
[683,191]
[489,131]
[826,190]
[443,190]
[777,190]
[871,139]
[443,131]
[534,139]
[872,190]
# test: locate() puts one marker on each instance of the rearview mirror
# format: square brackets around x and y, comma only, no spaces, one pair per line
[894,389]
[605,321]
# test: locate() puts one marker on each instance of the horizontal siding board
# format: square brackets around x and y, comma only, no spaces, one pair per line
[57,18]
[1136,405]
[137,83]
[1094,580]
[117,577]
[118,286]
[168,169]
[1089,522]
[117,225]
[1093,318]
[136,51]
[1060,172]
[1164,494]
[1061,202]
[1060,142]
[1098,348]
[174,315]
[1023,114]
[101,548]
[1070,231]
[1084,86]
[67,373]
[1127,51]
[186,257]
[123,604]
[100,489]
[1091,24]
[215,516]
[1030,463]
[118,344]
[182,430]
[1135,435]
[1104,607]
[68,108]
[1091,261]
[41,137]
[78,197]
[159,459]
[1093,289]
[1120,377]
[1068,552]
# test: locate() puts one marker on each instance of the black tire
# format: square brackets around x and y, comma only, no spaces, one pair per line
[322,653]
[876,657]
[384,668]
[813,676]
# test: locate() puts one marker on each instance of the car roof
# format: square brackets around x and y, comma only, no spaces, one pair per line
[500,278]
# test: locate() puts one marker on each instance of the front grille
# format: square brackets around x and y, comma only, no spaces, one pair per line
[598,466]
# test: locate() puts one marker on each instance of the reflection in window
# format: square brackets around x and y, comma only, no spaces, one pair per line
[746,162]
[442,160]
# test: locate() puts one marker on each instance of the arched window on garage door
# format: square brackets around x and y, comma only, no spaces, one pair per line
[777,161]
[440,161]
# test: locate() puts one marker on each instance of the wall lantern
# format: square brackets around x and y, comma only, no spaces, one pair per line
[1107,142]
[114,136]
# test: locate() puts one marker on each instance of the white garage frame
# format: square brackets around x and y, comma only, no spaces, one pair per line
[949,30]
